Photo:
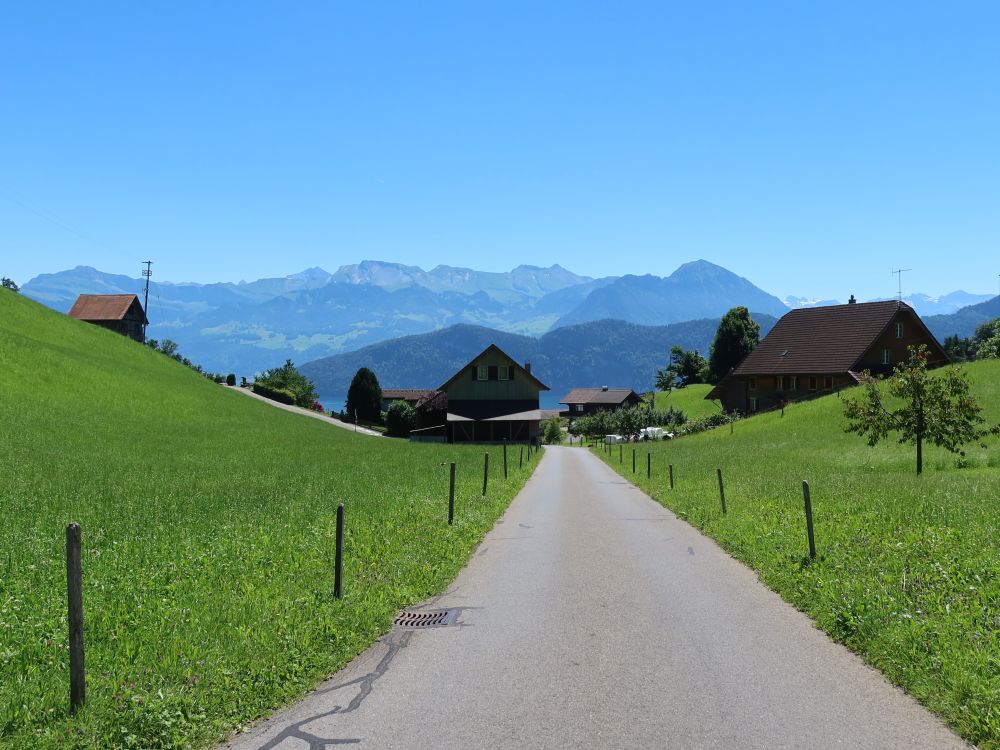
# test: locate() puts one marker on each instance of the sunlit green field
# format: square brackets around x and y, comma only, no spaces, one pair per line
[690,399]
[208,535]
[908,568]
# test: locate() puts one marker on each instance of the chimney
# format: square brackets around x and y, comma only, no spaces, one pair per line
[527,367]
[604,388]
[852,301]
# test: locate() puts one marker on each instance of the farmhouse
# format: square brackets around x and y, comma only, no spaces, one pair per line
[492,398]
[582,401]
[817,350]
[121,313]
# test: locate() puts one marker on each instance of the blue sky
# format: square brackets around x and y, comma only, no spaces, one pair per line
[811,147]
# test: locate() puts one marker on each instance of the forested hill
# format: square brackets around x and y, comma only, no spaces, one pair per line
[603,352]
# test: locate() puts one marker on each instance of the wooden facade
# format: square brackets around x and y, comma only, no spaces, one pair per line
[491,399]
[820,350]
[121,313]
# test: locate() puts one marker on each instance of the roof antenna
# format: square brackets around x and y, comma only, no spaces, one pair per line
[899,275]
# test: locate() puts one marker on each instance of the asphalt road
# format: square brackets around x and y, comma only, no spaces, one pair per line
[590,617]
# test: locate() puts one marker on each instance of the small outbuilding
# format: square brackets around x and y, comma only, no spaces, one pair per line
[121,313]
[582,401]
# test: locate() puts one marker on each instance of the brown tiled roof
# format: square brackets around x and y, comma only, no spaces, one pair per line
[434,401]
[103,306]
[597,396]
[407,394]
[820,339]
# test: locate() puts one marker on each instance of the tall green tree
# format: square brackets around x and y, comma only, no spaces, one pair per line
[959,349]
[685,368]
[364,397]
[986,340]
[938,409]
[735,338]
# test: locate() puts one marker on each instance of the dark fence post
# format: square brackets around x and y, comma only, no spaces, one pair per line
[520,464]
[649,466]
[671,476]
[486,472]
[620,449]
[338,565]
[505,458]
[722,491]
[74,596]
[633,460]
[809,519]
[451,494]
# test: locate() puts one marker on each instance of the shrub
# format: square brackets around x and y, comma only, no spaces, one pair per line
[553,434]
[400,418]
[281,395]
[287,378]
[231,379]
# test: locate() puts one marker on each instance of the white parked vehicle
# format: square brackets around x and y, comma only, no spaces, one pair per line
[651,433]
[612,439]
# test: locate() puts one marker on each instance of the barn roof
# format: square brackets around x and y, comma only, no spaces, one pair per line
[104,306]
[822,339]
[598,396]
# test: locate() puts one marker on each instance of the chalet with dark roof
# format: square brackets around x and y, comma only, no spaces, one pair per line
[582,401]
[121,313]
[491,399]
[818,350]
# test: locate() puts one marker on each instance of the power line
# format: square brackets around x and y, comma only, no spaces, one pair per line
[147,272]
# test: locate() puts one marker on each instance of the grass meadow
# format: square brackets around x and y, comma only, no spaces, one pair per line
[690,399]
[908,568]
[208,539]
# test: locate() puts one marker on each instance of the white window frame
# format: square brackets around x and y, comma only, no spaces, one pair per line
[885,357]
[483,372]
[579,407]
[899,330]
[753,404]
[793,382]
[779,382]
[503,372]
[813,383]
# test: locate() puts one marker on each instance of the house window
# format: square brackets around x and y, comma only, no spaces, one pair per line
[504,372]
[579,407]
[483,372]
[828,382]
[793,382]
[812,382]
[753,382]
[885,356]
[779,382]
[753,404]
[899,330]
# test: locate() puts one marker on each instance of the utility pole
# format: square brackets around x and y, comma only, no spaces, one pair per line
[147,272]
[899,275]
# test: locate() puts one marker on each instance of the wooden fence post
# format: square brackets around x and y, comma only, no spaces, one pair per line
[722,491]
[649,466]
[486,472]
[809,519]
[505,458]
[451,493]
[671,476]
[338,565]
[633,460]
[74,596]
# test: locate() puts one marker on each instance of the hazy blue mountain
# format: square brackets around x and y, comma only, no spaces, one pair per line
[795,303]
[695,290]
[604,352]
[946,304]
[965,321]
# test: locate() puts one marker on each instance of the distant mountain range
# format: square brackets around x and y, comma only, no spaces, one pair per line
[604,352]
[248,327]
[251,326]
[924,304]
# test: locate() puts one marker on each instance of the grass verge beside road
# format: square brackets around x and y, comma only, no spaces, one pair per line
[908,567]
[208,539]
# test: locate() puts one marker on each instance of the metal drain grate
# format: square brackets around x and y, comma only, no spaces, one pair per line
[426,619]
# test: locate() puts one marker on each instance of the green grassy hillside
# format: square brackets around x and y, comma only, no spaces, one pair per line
[208,532]
[689,399]
[908,567]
